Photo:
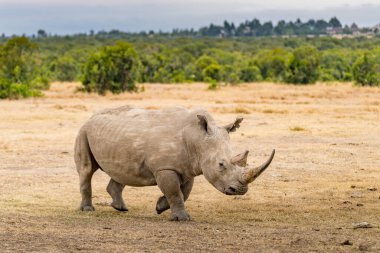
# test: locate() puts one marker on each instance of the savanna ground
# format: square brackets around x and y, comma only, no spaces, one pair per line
[322,181]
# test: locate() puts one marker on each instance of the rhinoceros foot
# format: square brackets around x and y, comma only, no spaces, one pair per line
[162,205]
[180,216]
[119,206]
[87,208]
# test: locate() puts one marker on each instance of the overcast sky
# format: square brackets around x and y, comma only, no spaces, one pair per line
[73,16]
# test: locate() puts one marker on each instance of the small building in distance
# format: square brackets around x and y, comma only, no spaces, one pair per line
[334,30]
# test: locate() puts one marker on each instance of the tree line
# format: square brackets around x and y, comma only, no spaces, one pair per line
[248,28]
[27,65]
[256,28]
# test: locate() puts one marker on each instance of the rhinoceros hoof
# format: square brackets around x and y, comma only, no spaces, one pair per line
[87,208]
[159,210]
[121,208]
[162,205]
[180,216]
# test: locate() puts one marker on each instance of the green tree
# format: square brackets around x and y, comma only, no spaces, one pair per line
[365,71]
[303,66]
[41,33]
[320,26]
[280,28]
[114,68]
[334,22]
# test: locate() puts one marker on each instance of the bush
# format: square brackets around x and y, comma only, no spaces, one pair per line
[304,66]
[16,90]
[16,61]
[114,68]
[272,64]
[65,69]
[250,74]
[19,73]
[365,71]
[4,88]
[213,85]
[201,64]
[151,64]
[212,72]
[230,74]
[335,66]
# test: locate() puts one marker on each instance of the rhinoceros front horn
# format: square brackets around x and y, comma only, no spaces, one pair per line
[250,174]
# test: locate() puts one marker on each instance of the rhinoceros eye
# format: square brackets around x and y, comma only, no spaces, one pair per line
[221,165]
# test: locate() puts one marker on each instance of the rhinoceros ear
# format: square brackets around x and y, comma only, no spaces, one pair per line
[203,121]
[232,127]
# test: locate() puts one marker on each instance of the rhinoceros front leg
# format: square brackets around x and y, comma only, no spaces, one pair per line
[163,204]
[115,190]
[169,183]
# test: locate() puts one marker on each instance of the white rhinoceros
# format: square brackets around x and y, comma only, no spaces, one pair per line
[168,148]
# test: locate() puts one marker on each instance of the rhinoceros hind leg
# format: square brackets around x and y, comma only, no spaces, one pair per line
[163,204]
[115,190]
[86,166]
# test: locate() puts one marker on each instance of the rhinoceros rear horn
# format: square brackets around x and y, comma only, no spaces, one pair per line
[240,159]
[250,174]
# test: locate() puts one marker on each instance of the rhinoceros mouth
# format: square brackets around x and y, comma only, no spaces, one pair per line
[235,190]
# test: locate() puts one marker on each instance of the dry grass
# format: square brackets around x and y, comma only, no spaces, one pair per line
[275,111]
[307,201]
[241,110]
[297,129]
[232,109]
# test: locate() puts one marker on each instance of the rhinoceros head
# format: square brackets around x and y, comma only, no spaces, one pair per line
[227,172]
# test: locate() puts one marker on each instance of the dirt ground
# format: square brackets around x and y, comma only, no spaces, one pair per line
[324,179]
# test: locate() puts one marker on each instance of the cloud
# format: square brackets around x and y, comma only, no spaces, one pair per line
[164,14]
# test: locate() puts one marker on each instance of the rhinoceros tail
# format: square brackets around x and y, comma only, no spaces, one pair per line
[83,154]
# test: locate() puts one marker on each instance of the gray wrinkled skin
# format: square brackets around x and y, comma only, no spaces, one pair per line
[168,148]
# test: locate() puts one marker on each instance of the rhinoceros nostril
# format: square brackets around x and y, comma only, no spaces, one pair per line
[232,189]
